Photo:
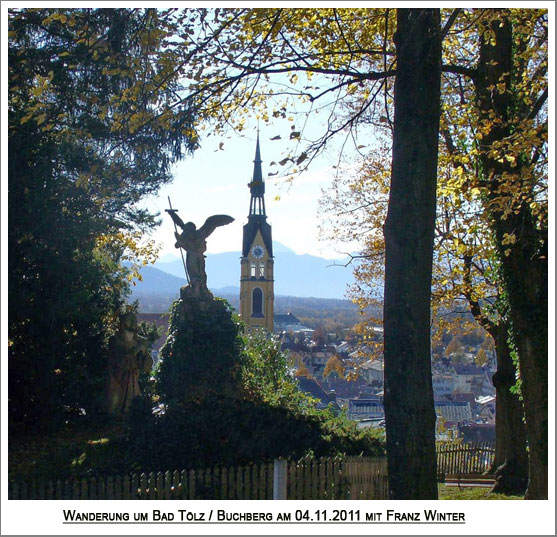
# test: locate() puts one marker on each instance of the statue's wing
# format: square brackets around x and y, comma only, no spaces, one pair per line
[213,222]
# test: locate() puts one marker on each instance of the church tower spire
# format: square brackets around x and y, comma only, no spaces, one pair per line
[257,262]
[257,185]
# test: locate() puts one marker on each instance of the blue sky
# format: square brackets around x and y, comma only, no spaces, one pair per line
[214,181]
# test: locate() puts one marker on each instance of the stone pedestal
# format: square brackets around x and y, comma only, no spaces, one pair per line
[202,350]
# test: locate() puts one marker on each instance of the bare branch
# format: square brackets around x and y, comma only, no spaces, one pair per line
[350,261]
[460,70]
[450,22]
[488,325]
[539,103]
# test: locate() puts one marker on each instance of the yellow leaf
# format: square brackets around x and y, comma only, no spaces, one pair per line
[82,181]
[509,238]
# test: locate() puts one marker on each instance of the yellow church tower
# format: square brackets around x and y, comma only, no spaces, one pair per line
[257,296]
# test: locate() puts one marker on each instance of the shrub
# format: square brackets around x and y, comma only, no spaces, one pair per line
[228,431]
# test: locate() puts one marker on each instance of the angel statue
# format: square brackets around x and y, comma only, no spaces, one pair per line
[194,242]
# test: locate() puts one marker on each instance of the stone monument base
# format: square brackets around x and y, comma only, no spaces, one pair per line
[202,351]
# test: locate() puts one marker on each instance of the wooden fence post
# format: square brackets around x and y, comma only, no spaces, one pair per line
[279,479]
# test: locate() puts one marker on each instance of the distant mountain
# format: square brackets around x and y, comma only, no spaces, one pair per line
[295,275]
[229,290]
[158,281]
[168,258]
[279,248]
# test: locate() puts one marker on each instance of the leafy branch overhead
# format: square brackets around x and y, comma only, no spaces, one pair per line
[99,86]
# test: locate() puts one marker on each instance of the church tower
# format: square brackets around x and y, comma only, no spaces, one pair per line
[256,277]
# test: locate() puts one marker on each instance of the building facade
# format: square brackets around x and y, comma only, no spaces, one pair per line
[257,263]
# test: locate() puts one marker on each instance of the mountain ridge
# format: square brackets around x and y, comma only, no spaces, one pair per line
[158,290]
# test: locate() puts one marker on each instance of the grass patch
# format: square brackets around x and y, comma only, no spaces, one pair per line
[72,452]
[472,493]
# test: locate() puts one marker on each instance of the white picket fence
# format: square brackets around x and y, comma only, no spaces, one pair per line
[309,478]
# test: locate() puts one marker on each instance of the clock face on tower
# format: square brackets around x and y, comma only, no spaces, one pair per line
[257,251]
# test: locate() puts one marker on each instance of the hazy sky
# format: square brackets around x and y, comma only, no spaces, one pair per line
[214,181]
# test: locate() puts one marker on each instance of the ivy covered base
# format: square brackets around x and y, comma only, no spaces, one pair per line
[202,351]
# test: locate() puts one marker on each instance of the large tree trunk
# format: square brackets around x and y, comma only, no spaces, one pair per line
[511,460]
[524,261]
[511,457]
[409,229]
[527,296]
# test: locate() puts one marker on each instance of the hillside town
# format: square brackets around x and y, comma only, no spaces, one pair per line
[344,374]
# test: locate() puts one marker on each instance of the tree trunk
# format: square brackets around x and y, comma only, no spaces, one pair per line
[409,229]
[511,460]
[524,261]
[527,298]
[511,457]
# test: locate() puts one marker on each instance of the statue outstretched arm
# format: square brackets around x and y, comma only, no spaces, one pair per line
[177,220]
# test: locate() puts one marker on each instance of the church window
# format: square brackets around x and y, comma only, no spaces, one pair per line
[261,270]
[257,303]
[252,272]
